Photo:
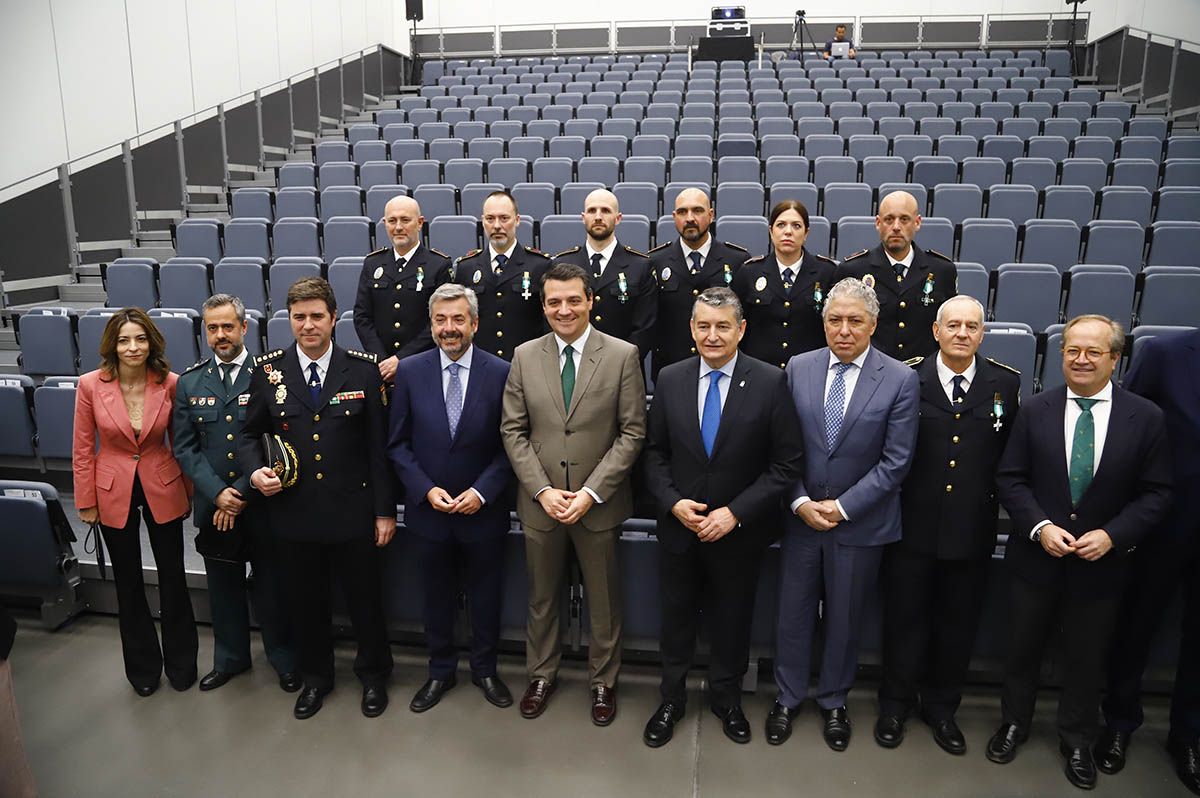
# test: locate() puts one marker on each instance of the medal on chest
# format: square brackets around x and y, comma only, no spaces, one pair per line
[927,290]
[622,287]
[525,284]
[728,274]
[818,296]
[998,412]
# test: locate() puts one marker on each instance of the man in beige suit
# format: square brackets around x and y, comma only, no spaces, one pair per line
[573,423]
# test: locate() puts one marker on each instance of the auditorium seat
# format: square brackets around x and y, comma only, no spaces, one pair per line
[988,241]
[751,232]
[1174,243]
[130,283]
[184,282]
[1130,203]
[1100,288]
[454,236]
[346,236]
[973,281]
[343,278]
[251,202]
[1115,241]
[1178,204]
[339,201]
[855,233]
[199,238]
[1170,295]
[244,277]
[1017,203]
[46,336]
[1053,241]
[180,328]
[435,200]
[1015,347]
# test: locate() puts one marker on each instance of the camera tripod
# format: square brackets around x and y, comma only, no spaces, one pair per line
[799,30]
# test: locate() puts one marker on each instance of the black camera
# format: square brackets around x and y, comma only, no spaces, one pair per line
[800,13]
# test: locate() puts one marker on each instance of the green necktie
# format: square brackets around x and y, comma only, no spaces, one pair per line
[1083,451]
[226,383]
[568,376]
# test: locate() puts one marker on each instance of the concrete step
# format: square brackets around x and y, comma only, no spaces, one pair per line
[153,235]
[198,207]
[262,179]
[88,270]
[221,216]
[80,292]
[159,253]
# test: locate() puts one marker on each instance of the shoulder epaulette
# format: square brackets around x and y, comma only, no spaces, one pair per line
[633,251]
[267,357]
[570,251]
[732,245]
[858,254]
[940,255]
[196,365]
[442,254]
[378,251]
[537,252]
[1004,366]
[755,259]
[370,357]
[826,258]
[914,361]
[660,246]
[470,254]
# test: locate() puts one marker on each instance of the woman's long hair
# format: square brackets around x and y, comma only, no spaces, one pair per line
[156,361]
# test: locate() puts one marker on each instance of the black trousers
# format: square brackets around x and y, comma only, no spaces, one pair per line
[1159,570]
[930,616]
[145,661]
[310,571]
[706,579]
[1083,626]
[480,563]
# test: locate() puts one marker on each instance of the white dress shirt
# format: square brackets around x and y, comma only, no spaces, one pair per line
[795,267]
[406,255]
[577,356]
[849,379]
[493,252]
[322,362]
[906,260]
[464,375]
[237,362]
[946,377]
[703,249]
[1101,411]
[605,255]
[722,385]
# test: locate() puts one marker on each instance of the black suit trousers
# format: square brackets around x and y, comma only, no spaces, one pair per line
[930,617]
[144,660]
[1159,570]
[310,568]
[707,579]
[1083,627]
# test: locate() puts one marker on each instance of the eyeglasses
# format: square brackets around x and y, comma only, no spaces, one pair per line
[1073,352]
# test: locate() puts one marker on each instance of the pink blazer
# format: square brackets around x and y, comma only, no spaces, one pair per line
[104,476]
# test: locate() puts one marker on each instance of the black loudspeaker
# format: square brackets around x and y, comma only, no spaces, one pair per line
[415,9]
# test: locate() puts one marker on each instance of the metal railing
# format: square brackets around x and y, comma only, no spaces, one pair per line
[1154,70]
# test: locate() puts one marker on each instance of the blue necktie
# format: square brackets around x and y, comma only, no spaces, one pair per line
[454,399]
[789,279]
[958,393]
[835,405]
[500,261]
[710,419]
[314,383]
[695,256]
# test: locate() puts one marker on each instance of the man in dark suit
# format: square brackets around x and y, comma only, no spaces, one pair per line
[684,268]
[1086,475]
[625,302]
[328,407]
[722,446]
[211,399]
[911,282]
[934,577]
[505,277]
[1166,371]
[445,444]
[390,314]
[858,412]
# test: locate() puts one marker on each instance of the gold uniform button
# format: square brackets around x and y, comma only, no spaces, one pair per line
[364,484]
[954,439]
[396,306]
[785,324]
[499,333]
[903,305]
[396,345]
[397,286]
[232,474]
[500,353]
[957,416]
[693,350]
[320,475]
[396,325]
[1073,517]
[599,318]
[695,292]
[949,488]
[281,412]
[499,295]
[785,344]
[499,314]
[229,455]
[229,418]
[317,456]
[901,325]
[953,464]
[317,437]
[229,436]
[317,417]
[900,345]
[787,304]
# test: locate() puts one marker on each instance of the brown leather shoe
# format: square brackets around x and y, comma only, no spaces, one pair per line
[604,704]
[537,695]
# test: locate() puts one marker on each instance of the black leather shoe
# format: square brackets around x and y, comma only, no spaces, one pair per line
[183,684]
[146,689]
[217,678]
[1080,767]
[431,693]
[494,690]
[1002,748]
[733,723]
[374,701]
[1110,751]
[308,703]
[1187,763]
[836,728]
[889,731]
[288,682]
[948,736]
[661,726]
[779,723]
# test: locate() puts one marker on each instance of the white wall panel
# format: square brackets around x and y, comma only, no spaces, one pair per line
[213,34]
[354,25]
[257,44]
[35,121]
[294,24]
[97,85]
[162,69]
[327,30]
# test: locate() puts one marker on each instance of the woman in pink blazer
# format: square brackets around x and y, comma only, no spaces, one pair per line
[126,405]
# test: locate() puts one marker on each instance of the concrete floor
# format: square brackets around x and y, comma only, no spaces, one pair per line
[88,734]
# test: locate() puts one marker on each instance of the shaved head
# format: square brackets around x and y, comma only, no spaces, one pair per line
[402,219]
[601,215]
[898,221]
[692,197]
[401,204]
[693,216]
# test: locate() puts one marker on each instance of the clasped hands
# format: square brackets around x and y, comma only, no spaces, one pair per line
[709,527]
[465,503]
[821,515]
[565,506]
[1058,542]
[230,504]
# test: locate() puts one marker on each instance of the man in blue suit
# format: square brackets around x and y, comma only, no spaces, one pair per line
[1167,372]
[445,445]
[858,411]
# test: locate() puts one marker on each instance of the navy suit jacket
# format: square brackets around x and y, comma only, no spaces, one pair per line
[1167,372]
[425,456]
[1127,497]
[873,452]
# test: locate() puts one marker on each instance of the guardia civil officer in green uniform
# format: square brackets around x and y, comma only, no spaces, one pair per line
[210,405]
[391,314]
[505,276]
[911,282]
[325,408]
